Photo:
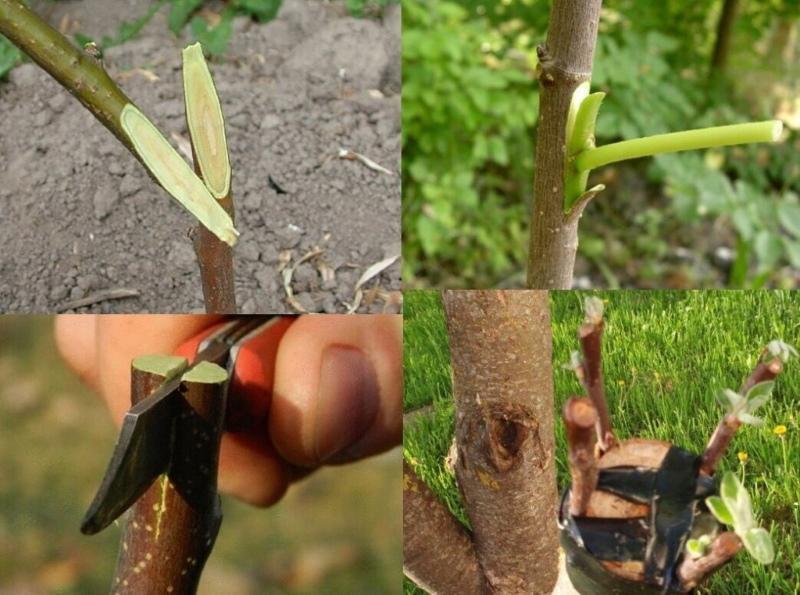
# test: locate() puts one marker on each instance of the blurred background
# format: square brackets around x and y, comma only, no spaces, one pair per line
[339,531]
[725,218]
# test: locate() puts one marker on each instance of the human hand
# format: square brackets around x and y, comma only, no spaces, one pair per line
[317,390]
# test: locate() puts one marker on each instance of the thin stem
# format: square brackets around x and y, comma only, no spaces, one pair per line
[703,138]
[580,418]
[74,69]
[693,571]
[591,375]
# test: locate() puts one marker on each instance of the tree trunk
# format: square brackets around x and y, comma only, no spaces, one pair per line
[438,554]
[722,44]
[500,346]
[565,61]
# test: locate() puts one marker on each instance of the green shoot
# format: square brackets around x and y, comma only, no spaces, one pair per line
[583,156]
[743,407]
[734,508]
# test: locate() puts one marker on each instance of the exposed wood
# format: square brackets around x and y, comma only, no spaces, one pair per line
[565,61]
[501,354]
[591,338]
[438,554]
[580,418]
[692,572]
[172,527]
[633,570]
[605,505]
[636,452]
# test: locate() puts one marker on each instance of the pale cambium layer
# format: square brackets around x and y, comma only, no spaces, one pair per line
[175,175]
[206,125]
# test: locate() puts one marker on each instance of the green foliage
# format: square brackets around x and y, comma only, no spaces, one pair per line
[179,13]
[214,39]
[767,224]
[9,56]
[743,406]
[261,10]
[734,508]
[466,217]
[469,104]
[360,8]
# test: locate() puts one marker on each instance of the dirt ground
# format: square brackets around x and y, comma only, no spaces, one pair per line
[79,215]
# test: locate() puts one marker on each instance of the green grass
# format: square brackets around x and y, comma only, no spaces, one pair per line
[338,531]
[666,354]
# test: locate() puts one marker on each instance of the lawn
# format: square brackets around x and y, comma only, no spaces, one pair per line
[666,355]
[337,531]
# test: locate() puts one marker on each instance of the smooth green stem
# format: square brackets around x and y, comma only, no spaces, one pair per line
[81,74]
[703,138]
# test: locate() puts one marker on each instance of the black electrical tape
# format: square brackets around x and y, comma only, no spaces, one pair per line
[631,483]
[673,508]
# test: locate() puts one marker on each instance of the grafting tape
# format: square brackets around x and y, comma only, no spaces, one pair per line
[672,491]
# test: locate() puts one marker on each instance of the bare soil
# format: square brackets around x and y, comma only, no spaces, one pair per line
[79,215]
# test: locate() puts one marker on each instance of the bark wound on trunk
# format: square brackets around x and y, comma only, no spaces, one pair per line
[502,381]
[438,554]
[565,61]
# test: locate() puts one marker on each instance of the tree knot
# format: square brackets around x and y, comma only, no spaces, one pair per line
[509,425]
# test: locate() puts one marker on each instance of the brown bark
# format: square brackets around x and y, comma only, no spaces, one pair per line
[215,259]
[438,553]
[173,526]
[591,337]
[501,352]
[565,62]
[722,43]
[692,572]
[763,372]
[580,418]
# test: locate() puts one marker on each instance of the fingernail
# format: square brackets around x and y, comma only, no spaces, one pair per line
[348,400]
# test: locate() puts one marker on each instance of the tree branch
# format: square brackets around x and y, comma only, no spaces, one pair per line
[565,62]
[693,571]
[438,554]
[726,429]
[580,418]
[502,382]
[173,526]
[591,375]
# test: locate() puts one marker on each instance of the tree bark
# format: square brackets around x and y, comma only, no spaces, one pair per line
[565,61]
[722,43]
[173,526]
[438,553]
[580,417]
[501,350]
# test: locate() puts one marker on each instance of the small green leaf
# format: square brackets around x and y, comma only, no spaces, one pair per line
[738,502]
[781,350]
[750,420]
[789,216]
[730,400]
[762,389]
[695,548]
[758,542]
[718,508]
